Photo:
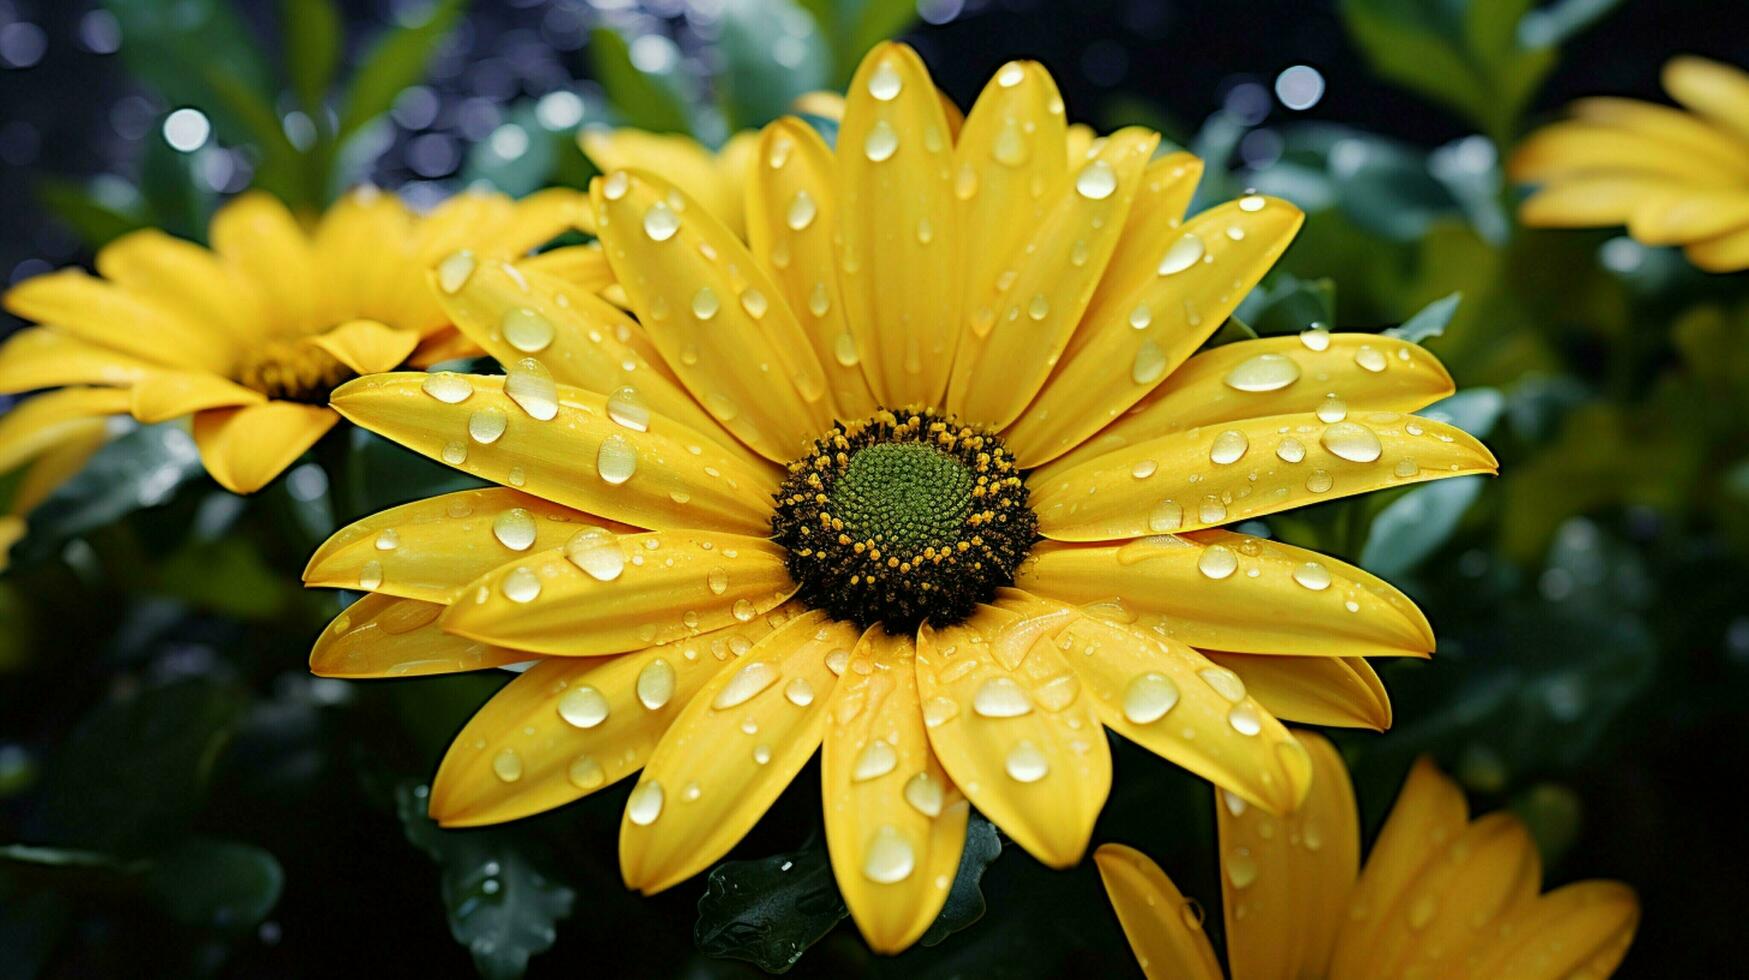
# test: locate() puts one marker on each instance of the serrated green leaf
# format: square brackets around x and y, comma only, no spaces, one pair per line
[396,61]
[503,904]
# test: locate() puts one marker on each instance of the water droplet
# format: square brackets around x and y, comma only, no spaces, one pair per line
[889,859]
[453,272]
[937,711]
[746,682]
[925,794]
[585,773]
[881,141]
[1148,696]
[597,552]
[370,575]
[1422,909]
[614,187]
[1225,683]
[705,303]
[1096,181]
[1316,338]
[1167,515]
[1290,450]
[1312,575]
[1010,148]
[627,408]
[1141,317]
[486,424]
[1265,372]
[837,660]
[388,540]
[1001,697]
[660,222]
[802,210]
[583,707]
[645,803]
[884,82]
[1039,308]
[447,387]
[1320,481]
[1026,763]
[1332,410]
[1012,74]
[1251,203]
[1212,511]
[761,753]
[1241,868]
[455,452]
[1406,468]
[507,765]
[1244,719]
[754,302]
[1370,359]
[1141,469]
[799,692]
[1229,447]
[1183,254]
[744,610]
[526,330]
[1234,803]
[616,460]
[514,529]
[1217,561]
[1353,442]
[1149,365]
[532,388]
[876,759]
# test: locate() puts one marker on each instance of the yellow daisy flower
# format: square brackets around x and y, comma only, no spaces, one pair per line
[1441,895]
[926,473]
[251,335]
[1672,177]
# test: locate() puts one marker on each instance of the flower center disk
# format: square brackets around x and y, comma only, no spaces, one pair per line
[903,518]
[293,371]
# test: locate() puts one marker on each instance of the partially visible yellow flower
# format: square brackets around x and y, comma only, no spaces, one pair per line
[1441,895]
[1672,177]
[251,335]
[925,474]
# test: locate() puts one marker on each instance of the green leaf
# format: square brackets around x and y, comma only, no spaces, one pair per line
[1233,331]
[180,48]
[227,575]
[772,53]
[502,905]
[965,899]
[854,26]
[644,100]
[1474,410]
[97,218]
[215,884]
[1289,304]
[1413,526]
[143,468]
[397,61]
[768,911]
[516,165]
[134,771]
[177,200]
[312,48]
[1428,322]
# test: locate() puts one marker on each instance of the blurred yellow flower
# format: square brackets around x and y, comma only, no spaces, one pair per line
[249,336]
[1441,895]
[797,503]
[1672,177]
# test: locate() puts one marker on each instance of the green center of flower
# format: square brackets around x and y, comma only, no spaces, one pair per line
[293,371]
[903,518]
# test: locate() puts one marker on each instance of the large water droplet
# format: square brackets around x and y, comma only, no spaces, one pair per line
[453,272]
[746,682]
[884,82]
[1226,683]
[1312,575]
[705,303]
[1167,515]
[1370,359]
[526,330]
[876,759]
[583,707]
[370,575]
[801,211]
[1244,719]
[660,222]
[447,387]
[1010,148]
[1352,441]
[1217,561]
[1320,481]
[645,803]
[520,585]
[656,683]
[799,692]
[486,424]
[889,858]
[597,552]
[1316,338]
[585,773]
[1265,372]
[1001,697]
[616,460]
[1096,181]
[507,765]
[1026,763]
[881,141]
[532,388]
[1229,447]
[1332,409]
[1183,254]
[1290,450]
[925,794]
[1149,365]
[388,540]
[627,408]
[514,529]
[1148,696]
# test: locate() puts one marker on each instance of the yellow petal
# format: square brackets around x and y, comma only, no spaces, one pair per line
[1079,139]
[258,237]
[1164,928]
[164,395]
[1008,156]
[1156,216]
[1726,253]
[459,221]
[1591,201]
[1430,812]
[1174,702]
[1716,90]
[667,476]
[432,547]
[895,825]
[1018,323]
[792,210]
[12,530]
[731,752]
[582,340]
[185,278]
[1194,278]
[533,221]
[39,423]
[825,104]
[367,346]
[362,247]
[1583,929]
[605,593]
[448,344]
[1197,589]
[1680,217]
[107,315]
[75,442]
[567,727]
[1575,147]
[897,222]
[583,266]
[40,357]
[678,158]
[1246,468]
[1668,125]
[1285,879]
[383,636]
[1339,692]
[1490,874]
[720,322]
[245,448]
[1278,376]
[1013,728]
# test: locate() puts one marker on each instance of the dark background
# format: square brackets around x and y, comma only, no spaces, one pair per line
[358,900]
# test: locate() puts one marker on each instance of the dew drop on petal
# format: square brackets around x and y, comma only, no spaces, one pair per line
[1012,74]
[583,707]
[585,773]
[1183,254]
[526,330]
[453,272]
[514,529]
[1332,410]
[625,407]
[1149,365]
[1026,763]
[530,385]
[745,683]
[1167,515]
[1225,683]
[614,187]
[660,222]
[1241,868]
[1141,317]
[507,765]
[1320,481]
[802,210]
[925,794]
[520,585]
[597,552]
[884,82]
[486,424]
[881,142]
[1001,697]
[1264,372]
[1141,469]
[717,579]
[1406,468]
[645,803]
[1244,719]
[1370,358]
[388,540]
[937,711]
[1096,181]
[1290,450]
[754,302]
[1316,338]
[1312,575]
[447,387]
[1229,447]
[799,692]
[889,858]
[370,575]
[744,610]
[616,460]
[1217,561]
[1352,441]
[1251,203]
[656,683]
[1148,696]
[455,452]
[705,303]
[876,759]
